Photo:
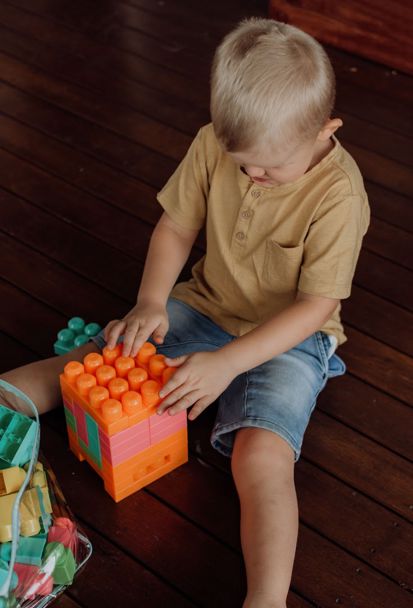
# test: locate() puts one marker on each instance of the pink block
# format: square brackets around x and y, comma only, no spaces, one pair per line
[81,423]
[127,435]
[32,581]
[129,452]
[117,448]
[63,531]
[105,452]
[165,425]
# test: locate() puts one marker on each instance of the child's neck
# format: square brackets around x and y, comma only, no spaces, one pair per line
[321,149]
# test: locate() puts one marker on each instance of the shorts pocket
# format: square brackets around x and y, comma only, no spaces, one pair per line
[282,266]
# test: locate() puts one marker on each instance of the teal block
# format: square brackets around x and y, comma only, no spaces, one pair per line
[94,443]
[30,549]
[75,334]
[4,569]
[92,455]
[9,602]
[17,435]
[70,420]
[5,551]
[93,449]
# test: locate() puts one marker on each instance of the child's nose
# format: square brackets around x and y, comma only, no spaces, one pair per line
[254,171]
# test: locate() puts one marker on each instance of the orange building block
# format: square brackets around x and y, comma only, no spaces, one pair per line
[120,394]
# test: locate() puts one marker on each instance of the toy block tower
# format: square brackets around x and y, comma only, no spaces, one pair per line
[110,404]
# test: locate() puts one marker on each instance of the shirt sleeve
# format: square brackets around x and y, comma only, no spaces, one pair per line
[332,247]
[184,196]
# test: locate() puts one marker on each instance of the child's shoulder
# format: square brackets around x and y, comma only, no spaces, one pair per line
[207,139]
[344,173]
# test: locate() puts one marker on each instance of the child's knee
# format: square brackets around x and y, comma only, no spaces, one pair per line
[260,451]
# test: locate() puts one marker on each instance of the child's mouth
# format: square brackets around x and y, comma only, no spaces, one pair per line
[260,179]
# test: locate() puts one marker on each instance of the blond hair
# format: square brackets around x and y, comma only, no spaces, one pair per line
[271,83]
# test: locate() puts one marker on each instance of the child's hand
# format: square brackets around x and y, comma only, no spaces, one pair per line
[137,326]
[201,379]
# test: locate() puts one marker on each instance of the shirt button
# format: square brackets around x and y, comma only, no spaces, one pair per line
[240,236]
[246,214]
[255,193]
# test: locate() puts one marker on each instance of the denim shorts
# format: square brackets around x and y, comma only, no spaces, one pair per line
[279,395]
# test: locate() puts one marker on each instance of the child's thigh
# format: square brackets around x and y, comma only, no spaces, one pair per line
[278,395]
[190,331]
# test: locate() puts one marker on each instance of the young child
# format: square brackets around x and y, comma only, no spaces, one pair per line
[257,325]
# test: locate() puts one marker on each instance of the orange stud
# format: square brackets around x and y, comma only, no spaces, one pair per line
[157,365]
[168,373]
[117,387]
[150,393]
[131,402]
[84,383]
[104,374]
[123,365]
[72,370]
[109,355]
[145,353]
[91,362]
[111,410]
[136,376]
[97,395]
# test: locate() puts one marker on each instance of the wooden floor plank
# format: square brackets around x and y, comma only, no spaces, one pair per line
[112,578]
[80,101]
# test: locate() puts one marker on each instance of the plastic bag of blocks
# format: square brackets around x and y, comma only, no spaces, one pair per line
[41,546]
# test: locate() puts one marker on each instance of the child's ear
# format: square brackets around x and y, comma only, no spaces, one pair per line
[329,128]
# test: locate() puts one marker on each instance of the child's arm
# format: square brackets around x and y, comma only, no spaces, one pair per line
[203,376]
[169,249]
[280,333]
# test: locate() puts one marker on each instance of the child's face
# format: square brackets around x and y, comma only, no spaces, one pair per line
[269,168]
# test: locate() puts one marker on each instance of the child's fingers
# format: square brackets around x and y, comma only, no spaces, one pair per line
[176,361]
[160,332]
[140,339]
[108,328]
[176,380]
[183,402]
[199,407]
[132,338]
[113,331]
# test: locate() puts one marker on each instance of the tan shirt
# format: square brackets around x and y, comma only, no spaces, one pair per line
[265,243]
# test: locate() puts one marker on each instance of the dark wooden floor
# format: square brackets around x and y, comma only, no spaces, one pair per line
[99,101]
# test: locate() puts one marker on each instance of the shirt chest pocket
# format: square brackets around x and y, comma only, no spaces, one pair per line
[282,266]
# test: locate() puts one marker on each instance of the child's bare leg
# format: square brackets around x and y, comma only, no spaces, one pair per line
[263,471]
[40,380]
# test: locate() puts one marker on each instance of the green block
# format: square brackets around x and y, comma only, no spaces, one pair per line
[9,602]
[70,420]
[60,559]
[17,434]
